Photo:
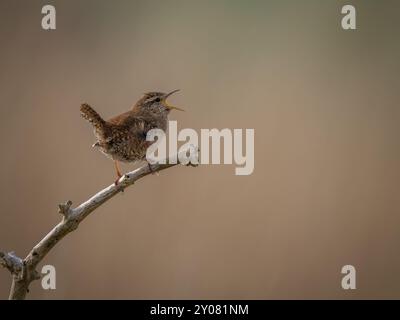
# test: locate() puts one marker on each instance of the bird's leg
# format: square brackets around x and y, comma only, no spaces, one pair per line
[119,175]
[151,169]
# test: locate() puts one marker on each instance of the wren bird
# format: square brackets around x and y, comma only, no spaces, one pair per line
[123,137]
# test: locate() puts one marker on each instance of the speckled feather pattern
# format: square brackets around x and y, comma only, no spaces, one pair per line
[123,138]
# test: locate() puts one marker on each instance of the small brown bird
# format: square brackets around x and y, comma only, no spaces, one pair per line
[123,138]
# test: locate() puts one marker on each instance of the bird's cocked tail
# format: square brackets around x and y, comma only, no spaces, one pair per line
[93,117]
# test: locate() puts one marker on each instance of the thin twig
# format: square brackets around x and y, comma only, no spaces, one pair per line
[24,270]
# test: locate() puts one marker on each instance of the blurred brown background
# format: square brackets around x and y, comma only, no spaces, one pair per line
[324,104]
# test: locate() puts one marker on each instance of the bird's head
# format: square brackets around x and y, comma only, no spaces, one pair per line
[156,102]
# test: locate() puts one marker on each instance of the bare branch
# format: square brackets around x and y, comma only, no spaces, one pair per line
[24,271]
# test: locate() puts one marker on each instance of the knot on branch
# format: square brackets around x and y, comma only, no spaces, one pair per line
[65,208]
[73,224]
[10,261]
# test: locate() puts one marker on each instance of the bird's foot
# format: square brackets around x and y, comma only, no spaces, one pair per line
[151,169]
[194,165]
[119,185]
[116,182]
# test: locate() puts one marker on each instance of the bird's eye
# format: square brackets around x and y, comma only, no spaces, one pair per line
[157,100]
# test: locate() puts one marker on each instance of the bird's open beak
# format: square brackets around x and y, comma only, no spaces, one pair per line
[167,105]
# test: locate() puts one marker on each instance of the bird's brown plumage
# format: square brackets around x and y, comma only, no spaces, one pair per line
[123,137]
